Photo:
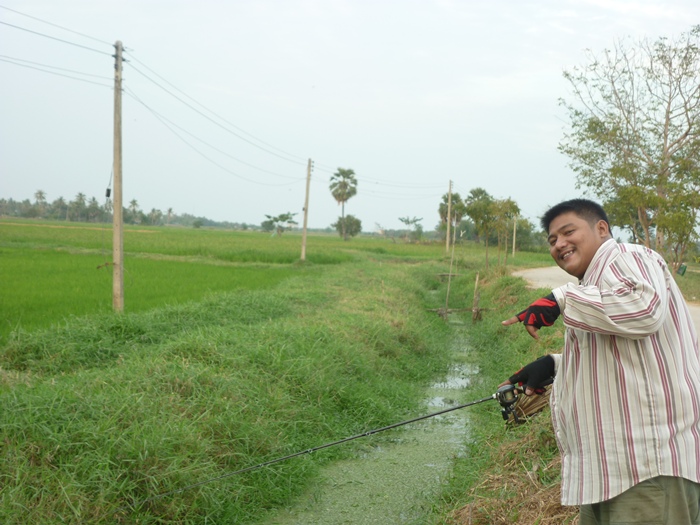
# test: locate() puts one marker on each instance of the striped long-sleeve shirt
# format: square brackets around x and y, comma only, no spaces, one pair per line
[626,396]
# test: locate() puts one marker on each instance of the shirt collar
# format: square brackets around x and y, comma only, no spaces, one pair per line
[594,272]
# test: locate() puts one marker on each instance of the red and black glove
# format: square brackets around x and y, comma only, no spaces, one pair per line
[542,312]
[536,375]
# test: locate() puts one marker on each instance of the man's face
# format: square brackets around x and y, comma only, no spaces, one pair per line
[573,242]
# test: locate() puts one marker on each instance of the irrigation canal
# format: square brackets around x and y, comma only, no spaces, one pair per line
[398,475]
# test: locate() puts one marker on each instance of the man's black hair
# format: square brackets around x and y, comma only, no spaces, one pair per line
[590,211]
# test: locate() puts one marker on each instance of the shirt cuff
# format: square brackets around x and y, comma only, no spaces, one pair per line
[557,360]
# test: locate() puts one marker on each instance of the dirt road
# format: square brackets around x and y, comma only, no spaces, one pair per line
[553,276]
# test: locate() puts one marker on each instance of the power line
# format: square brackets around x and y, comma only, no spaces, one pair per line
[56,25]
[214,113]
[57,39]
[9,61]
[54,67]
[214,121]
[199,152]
[163,118]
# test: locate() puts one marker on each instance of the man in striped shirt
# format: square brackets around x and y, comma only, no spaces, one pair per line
[626,394]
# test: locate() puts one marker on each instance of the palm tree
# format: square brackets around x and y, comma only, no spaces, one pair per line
[40,197]
[134,210]
[343,187]
[78,205]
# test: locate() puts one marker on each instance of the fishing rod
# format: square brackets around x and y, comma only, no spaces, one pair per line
[506,395]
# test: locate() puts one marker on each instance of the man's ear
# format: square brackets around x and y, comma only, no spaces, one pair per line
[603,229]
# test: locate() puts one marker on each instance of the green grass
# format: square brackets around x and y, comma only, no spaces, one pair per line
[110,410]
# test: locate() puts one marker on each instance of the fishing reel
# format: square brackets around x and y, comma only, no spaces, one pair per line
[507,397]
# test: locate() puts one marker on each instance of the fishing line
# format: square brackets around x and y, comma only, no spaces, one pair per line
[142,502]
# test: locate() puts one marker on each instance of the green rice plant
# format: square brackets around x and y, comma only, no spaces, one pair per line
[45,287]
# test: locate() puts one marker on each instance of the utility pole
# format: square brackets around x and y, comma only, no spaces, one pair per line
[449,218]
[117,221]
[306,209]
[515,223]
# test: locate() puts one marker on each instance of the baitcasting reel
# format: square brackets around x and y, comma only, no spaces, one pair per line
[507,396]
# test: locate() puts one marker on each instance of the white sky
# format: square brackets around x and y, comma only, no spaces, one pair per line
[409,93]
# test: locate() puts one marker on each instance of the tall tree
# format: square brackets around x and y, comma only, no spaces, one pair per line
[348,226]
[78,206]
[93,210]
[279,223]
[634,139]
[343,187]
[134,211]
[479,208]
[40,199]
[504,213]
[414,227]
[458,210]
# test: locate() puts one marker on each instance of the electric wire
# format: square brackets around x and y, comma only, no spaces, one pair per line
[214,113]
[398,185]
[218,150]
[10,61]
[210,119]
[155,114]
[56,38]
[56,25]
[101,77]
[282,155]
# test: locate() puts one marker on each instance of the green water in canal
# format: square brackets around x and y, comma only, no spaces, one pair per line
[397,477]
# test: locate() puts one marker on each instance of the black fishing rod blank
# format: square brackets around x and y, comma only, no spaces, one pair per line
[507,396]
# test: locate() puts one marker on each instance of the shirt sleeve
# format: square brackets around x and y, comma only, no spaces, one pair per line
[557,360]
[631,300]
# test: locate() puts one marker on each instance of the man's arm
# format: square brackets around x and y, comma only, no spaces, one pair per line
[632,300]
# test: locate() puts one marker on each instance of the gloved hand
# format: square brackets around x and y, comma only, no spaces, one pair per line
[536,375]
[542,312]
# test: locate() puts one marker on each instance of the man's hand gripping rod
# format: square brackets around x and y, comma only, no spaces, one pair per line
[507,396]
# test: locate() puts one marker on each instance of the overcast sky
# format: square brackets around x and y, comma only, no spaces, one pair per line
[224,101]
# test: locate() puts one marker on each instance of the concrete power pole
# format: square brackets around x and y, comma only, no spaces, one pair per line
[515,224]
[306,210]
[449,218]
[117,221]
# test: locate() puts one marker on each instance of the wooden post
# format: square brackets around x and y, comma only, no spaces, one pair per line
[476,311]
[117,221]
[306,210]
[449,218]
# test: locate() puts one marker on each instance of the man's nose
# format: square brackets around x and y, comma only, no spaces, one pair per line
[559,243]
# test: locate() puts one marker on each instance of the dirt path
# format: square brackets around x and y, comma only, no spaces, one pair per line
[553,276]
